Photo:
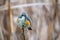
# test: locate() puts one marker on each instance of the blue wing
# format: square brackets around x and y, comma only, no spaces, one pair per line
[27,18]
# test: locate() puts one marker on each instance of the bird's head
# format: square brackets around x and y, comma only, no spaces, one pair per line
[22,15]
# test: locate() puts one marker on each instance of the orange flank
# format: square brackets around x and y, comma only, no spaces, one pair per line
[27,22]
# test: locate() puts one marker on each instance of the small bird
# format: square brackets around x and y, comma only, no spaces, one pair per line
[23,20]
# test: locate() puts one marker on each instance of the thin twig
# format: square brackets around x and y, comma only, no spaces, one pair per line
[23,32]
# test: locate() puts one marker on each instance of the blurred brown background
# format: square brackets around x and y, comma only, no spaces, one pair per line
[45,20]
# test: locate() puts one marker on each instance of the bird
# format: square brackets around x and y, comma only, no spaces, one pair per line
[24,20]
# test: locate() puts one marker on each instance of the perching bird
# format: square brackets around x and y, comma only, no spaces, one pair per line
[23,20]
